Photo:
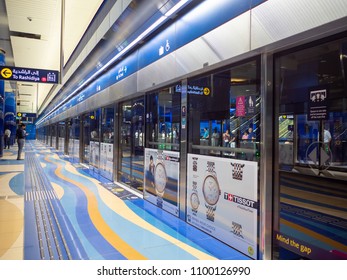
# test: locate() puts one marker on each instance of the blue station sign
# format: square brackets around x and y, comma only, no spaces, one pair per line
[29,75]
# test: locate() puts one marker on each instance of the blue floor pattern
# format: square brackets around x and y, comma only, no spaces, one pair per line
[113,223]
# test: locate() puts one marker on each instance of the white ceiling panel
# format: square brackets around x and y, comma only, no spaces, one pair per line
[26,54]
[33,26]
[78,15]
[32,16]
[34,31]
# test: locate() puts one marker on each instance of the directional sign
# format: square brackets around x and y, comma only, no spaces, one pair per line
[26,115]
[6,73]
[29,75]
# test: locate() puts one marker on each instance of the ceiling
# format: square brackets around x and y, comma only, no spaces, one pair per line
[30,34]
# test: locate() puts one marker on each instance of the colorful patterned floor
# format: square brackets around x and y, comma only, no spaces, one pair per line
[52,209]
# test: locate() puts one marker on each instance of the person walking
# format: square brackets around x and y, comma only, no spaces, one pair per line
[7,138]
[20,136]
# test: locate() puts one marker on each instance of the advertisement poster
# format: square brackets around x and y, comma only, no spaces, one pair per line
[94,153]
[61,144]
[76,150]
[106,160]
[71,141]
[222,200]
[54,142]
[161,179]
[240,106]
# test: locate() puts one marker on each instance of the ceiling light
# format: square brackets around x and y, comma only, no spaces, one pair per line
[157,23]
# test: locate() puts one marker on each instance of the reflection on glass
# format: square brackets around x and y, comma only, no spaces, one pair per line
[132,143]
[106,145]
[224,113]
[164,117]
[312,152]
[61,135]
[91,138]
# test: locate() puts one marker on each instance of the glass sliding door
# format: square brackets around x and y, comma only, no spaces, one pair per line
[107,140]
[311,210]
[223,162]
[61,135]
[74,139]
[91,139]
[131,143]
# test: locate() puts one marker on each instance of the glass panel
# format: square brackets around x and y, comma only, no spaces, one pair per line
[74,139]
[61,134]
[91,138]
[311,87]
[86,138]
[132,143]
[163,118]
[224,113]
[106,146]
[125,143]
[53,136]
[138,134]
[222,167]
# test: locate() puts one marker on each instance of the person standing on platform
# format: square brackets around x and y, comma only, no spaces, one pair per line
[20,136]
[7,138]
[226,138]
[206,133]
[251,134]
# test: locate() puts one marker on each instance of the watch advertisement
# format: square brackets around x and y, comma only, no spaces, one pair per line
[71,144]
[61,142]
[106,160]
[222,200]
[161,179]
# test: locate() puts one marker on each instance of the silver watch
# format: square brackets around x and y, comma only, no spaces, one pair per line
[211,190]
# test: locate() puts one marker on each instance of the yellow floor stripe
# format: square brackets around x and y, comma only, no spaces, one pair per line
[315,235]
[11,229]
[118,205]
[123,210]
[114,239]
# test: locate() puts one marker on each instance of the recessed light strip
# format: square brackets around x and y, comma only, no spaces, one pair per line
[159,21]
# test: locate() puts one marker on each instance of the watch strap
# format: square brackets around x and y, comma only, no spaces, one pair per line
[160,202]
[210,212]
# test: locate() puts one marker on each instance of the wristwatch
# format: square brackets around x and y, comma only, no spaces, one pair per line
[160,179]
[194,199]
[211,190]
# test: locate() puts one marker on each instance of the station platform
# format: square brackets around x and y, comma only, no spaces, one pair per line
[53,209]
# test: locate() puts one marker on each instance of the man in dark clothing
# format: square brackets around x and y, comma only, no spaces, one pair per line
[20,136]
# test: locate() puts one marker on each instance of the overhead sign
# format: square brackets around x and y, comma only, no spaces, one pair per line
[29,75]
[26,115]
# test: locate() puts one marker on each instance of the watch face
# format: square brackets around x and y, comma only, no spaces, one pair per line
[194,201]
[160,177]
[211,190]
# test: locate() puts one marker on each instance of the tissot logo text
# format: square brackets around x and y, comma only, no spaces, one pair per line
[240,200]
[228,196]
